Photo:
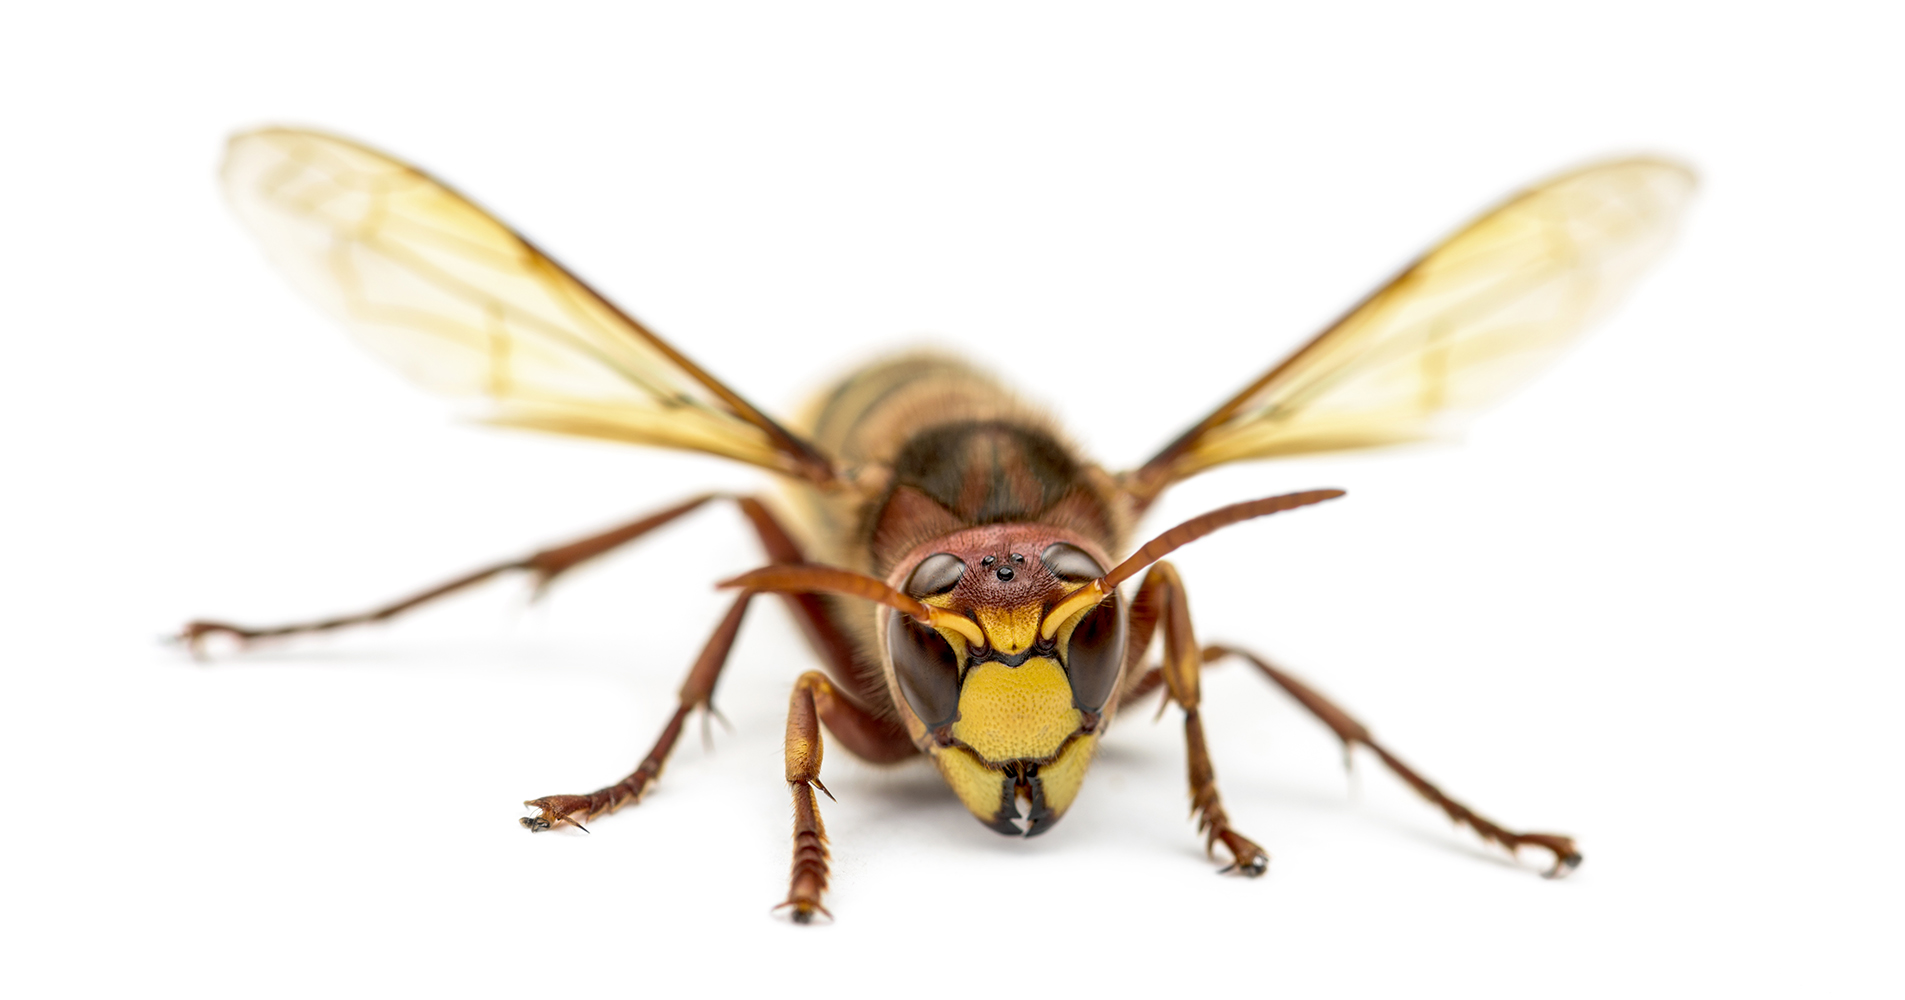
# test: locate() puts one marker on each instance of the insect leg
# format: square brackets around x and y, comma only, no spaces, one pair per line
[878,740]
[1143,684]
[545,566]
[1161,601]
[815,700]
[696,692]
[1351,732]
[830,642]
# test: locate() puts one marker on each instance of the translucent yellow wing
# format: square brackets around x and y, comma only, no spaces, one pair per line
[463,306]
[1454,332]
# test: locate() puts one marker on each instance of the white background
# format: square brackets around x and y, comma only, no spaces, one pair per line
[1652,602]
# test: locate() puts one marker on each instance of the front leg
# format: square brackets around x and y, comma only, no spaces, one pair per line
[866,736]
[1161,601]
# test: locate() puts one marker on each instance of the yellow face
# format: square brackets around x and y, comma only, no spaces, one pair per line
[1011,723]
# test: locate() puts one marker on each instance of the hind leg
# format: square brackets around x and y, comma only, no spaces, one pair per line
[544,566]
[1354,733]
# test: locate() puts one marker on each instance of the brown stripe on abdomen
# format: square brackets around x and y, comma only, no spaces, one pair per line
[987,472]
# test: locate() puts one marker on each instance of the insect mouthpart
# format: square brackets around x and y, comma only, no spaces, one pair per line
[992,654]
[1022,782]
[1022,797]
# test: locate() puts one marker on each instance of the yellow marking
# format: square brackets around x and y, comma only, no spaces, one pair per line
[1063,777]
[939,617]
[980,786]
[1006,713]
[977,785]
[1086,596]
[1011,630]
[947,621]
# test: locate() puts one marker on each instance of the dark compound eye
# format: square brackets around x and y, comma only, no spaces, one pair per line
[1094,653]
[1069,562]
[927,668]
[935,574]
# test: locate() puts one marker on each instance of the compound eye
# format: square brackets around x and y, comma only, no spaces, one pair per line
[1094,653]
[935,574]
[927,668]
[1069,562]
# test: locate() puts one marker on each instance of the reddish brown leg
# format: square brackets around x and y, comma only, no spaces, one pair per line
[833,645]
[696,692]
[829,640]
[1147,681]
[1161,600]
[545,566]
[876,740]
[1352,733]
[865,735]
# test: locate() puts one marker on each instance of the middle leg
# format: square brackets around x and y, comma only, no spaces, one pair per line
[1352,733]
[697,692]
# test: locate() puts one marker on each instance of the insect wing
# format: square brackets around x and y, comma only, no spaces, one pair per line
[1457,330]
[463,306]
